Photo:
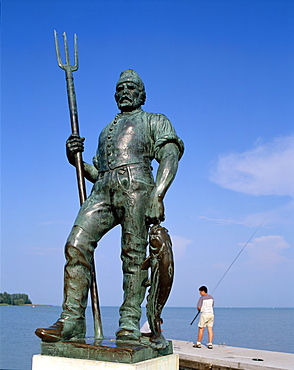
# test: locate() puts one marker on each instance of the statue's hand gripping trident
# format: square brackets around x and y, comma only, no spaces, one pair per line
[68,68]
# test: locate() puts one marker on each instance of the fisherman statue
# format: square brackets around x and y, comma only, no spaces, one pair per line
[124,193]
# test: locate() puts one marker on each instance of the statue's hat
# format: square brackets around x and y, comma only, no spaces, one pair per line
[131,76]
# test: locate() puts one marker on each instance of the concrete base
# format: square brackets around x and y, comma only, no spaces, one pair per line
[41,362]
[223,358]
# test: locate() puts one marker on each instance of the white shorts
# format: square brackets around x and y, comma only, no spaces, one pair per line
[206,320]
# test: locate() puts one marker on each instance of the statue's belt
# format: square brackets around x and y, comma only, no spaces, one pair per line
[127,166]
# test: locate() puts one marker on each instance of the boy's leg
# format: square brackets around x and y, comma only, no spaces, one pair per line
[210,334]
[200,335]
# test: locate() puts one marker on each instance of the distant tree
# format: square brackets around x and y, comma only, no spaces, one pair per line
[5,298]
[15,299]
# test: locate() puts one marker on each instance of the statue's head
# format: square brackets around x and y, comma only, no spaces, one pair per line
[130,91]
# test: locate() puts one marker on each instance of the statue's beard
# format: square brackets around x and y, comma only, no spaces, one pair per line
[128,104]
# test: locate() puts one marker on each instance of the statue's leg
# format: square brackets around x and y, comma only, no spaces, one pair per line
[133,253]
[77,277]
[93,221]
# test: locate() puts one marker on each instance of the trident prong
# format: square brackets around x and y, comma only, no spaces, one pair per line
[67,66]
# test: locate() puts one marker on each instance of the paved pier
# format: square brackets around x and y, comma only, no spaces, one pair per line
[230,358]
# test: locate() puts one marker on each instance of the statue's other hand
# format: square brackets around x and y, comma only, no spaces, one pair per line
[155,212]
[74,144]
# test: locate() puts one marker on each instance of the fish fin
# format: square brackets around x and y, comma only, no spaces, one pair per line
[146,264]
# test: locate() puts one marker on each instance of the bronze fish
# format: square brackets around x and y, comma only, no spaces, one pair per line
[161,262]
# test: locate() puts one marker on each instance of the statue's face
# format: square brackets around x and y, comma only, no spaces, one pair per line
[127,96]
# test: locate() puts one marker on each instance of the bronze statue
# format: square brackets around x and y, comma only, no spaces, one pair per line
[124,193]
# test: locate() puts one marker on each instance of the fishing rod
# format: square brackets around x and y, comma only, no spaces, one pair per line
[232,264]
[195,318]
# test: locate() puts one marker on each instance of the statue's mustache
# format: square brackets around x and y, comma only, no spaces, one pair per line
[126,98]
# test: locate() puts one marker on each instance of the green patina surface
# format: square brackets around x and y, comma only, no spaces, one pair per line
[105,351]
[124,193]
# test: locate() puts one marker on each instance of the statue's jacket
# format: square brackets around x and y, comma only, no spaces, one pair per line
[126,147]
[134,138]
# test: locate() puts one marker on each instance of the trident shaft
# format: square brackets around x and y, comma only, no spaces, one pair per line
[72,103]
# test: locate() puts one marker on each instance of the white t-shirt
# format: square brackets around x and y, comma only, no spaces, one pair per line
[145,328]
[206,303]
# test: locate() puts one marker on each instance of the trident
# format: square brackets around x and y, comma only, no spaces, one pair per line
[72,103]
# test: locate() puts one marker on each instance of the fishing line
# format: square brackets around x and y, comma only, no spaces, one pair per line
[238,256]
[232,263]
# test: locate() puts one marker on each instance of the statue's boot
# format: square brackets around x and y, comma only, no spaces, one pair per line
[63,330]
[77,278]
[133,254]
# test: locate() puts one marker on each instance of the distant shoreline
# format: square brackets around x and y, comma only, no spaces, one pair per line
[30,305]
[169,307]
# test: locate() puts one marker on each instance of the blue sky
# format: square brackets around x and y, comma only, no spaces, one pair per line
[223,72]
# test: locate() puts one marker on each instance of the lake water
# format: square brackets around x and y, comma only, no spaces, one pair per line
[259,328]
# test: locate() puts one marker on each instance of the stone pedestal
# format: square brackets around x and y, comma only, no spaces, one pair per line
[42,362]
[107,350]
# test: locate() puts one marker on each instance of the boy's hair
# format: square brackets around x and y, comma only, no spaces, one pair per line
[203,289]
